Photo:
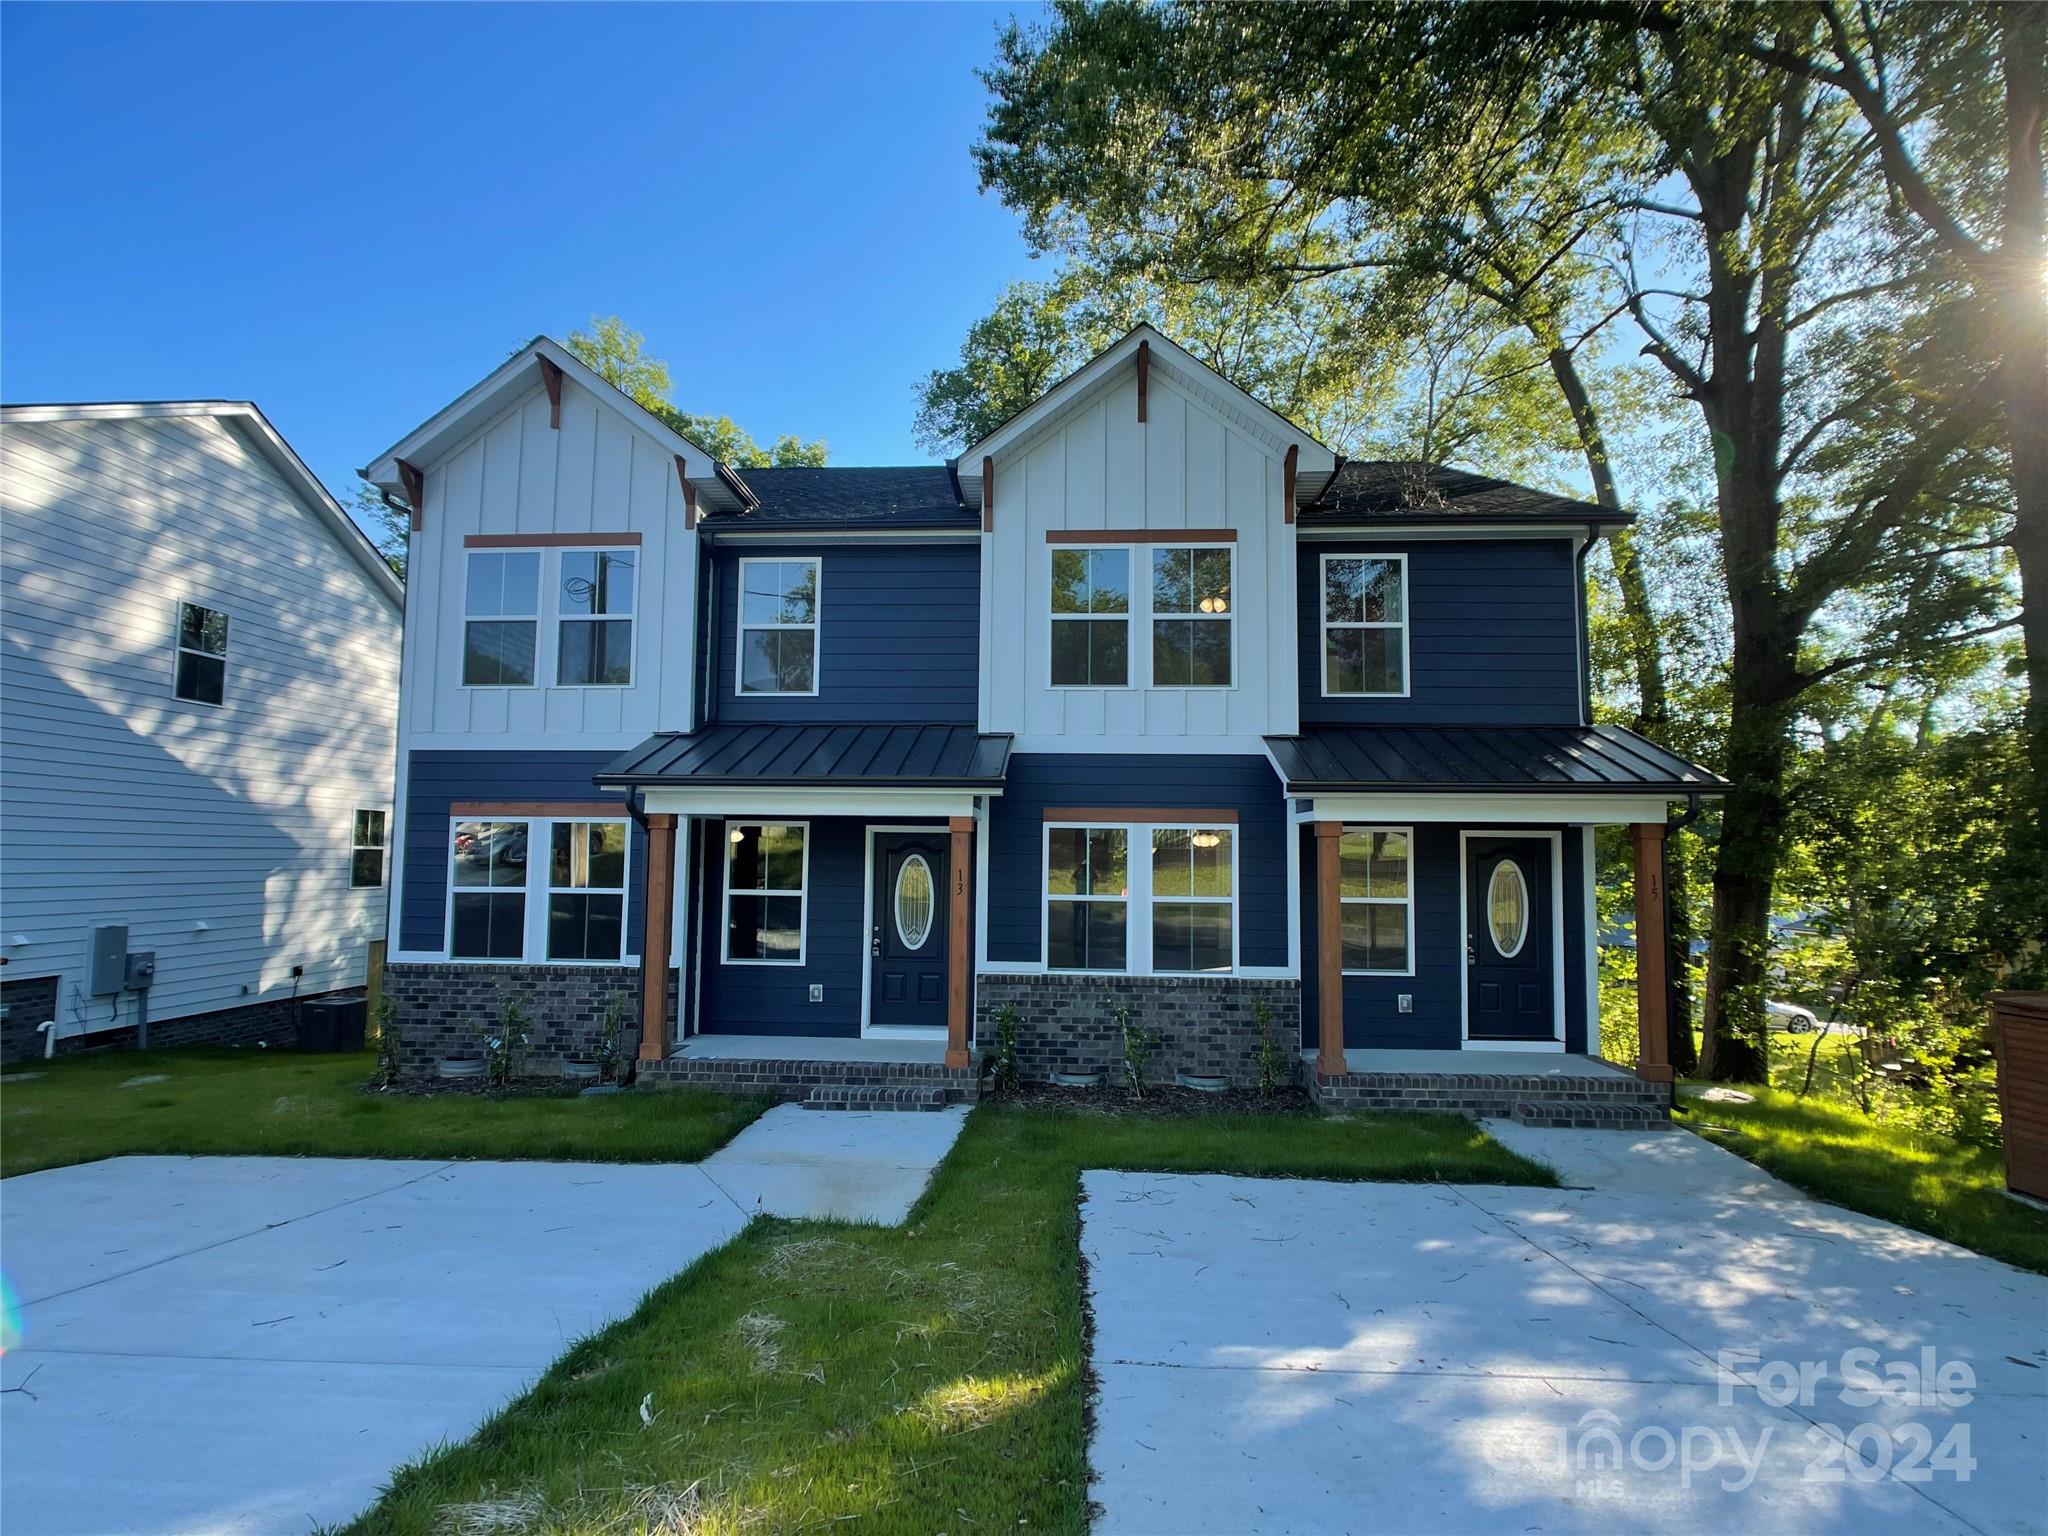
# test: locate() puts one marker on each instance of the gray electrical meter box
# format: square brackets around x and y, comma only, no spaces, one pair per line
[110,959]
[141,969]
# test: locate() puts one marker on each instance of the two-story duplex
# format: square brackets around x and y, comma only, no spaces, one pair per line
[1146,709]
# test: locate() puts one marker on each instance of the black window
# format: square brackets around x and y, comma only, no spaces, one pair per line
[202,662]
[366,853]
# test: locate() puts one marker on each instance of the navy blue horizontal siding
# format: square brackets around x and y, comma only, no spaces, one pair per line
[436,780]
[1164,781]
[1372,1016]
[899,634]
[1493,630]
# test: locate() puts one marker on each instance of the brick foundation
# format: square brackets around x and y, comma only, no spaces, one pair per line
[440,1008]
[796,1078]
[272,1022]
[1205,1024]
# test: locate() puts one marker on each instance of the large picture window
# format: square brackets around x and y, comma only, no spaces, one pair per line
[1365,625]
[1191,617]
[1087,898]
[587,890]
[766,866]
[1191,898]
[501,618]
[201,675]
[778,626]
[1376,891]
[487,907]
[1091,618]
[594,597]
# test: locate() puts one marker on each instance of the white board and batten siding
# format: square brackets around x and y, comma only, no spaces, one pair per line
[221,836]
[595,474]
[1097,467]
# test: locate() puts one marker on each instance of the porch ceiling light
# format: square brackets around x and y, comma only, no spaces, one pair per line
[1206,839]
[738,835]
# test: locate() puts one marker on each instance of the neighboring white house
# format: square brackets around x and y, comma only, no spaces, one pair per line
[199,658]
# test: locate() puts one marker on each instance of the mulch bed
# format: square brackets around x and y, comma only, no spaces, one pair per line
[1161,1099]
[477,1088]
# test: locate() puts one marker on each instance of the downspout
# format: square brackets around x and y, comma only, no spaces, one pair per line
[1585,635]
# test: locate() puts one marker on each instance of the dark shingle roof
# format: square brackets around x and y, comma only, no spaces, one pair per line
[924,756]
[1394,490]
[914,495]
[1541,758]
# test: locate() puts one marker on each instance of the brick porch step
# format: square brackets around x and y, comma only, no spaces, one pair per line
[795,1079]
[1610,1100]
[1584,1116]
[842,1096]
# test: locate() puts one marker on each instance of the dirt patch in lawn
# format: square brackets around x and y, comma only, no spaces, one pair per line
[1159,1099]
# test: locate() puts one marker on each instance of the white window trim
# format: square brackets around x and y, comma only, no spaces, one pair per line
[180,648]
[1138,898]
[1323,624]
[555,558]
[803,896]
[383,848]
[537,618]
[739,658]
[1128,618]
[533,937]
[549,890]
[1153,615]
[1407,901]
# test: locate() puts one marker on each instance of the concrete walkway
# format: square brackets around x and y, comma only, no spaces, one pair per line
[1294,1356]
[255,1344]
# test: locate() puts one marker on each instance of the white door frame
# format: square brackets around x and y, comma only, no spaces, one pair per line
[1556,841]
[868,1029]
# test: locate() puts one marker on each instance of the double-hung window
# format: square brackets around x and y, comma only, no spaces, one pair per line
[587,890]
[594,597]
[1191,898]
[778,626]
[366,850]
[1365,625]
[766,868]
[1191,620]
[202,658]
[1376,894]
[1088,898]
[501,618]
[1091,618]
[487,907]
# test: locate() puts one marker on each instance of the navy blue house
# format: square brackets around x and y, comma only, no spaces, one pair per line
[1148,711]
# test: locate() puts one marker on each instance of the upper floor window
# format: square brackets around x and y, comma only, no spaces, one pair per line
[202,658]
[1191,617]
[766,866]
[366,850]
[595,600]
[1091,618]
[1365,625]
[778,626]
[501,618]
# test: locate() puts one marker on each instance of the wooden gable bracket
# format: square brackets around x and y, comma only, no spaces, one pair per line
[414,480]
[551,376]
[1287,479]
[1144,376]
[689,493]
[988,495]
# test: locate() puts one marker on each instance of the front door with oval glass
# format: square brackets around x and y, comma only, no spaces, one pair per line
[907,931]
[1510,987]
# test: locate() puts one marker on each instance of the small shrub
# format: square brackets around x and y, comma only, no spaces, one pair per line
[1139,1043]
[611,1035]
[1272,1061]
[1005,1057]
[390,1043]
[505,1046]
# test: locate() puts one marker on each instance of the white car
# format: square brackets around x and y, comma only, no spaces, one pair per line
[1792,1018]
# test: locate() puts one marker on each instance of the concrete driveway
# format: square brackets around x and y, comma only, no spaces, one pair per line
[256,1344]
[1625,1355]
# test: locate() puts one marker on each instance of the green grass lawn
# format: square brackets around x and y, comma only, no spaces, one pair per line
[1833,1151]
[919,1379]
[283,1104]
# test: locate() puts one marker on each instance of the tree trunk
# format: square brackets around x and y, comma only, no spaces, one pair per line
[1735,1047]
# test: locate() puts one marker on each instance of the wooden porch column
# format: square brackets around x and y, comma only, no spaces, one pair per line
[1329,952]
[959,952]
[1653,997]
[654,940]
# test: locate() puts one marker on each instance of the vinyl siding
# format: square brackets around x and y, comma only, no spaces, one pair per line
[122,804]
[1492,634]
[435,780]
[899,634]
[1016,873]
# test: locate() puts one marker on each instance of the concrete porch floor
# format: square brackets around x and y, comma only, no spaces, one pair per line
[930,1052]
[1493,1063]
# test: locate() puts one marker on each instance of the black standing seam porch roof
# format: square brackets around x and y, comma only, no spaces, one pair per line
[1540,759]
[817,755]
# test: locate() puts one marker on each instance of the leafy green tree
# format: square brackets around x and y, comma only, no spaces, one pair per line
[618,355]
[388,528]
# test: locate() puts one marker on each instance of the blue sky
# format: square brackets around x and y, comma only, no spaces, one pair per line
[349,213]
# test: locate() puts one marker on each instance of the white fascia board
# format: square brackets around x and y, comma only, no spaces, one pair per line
[1477,808]
[1315,460]
[739,800]
[255,430]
